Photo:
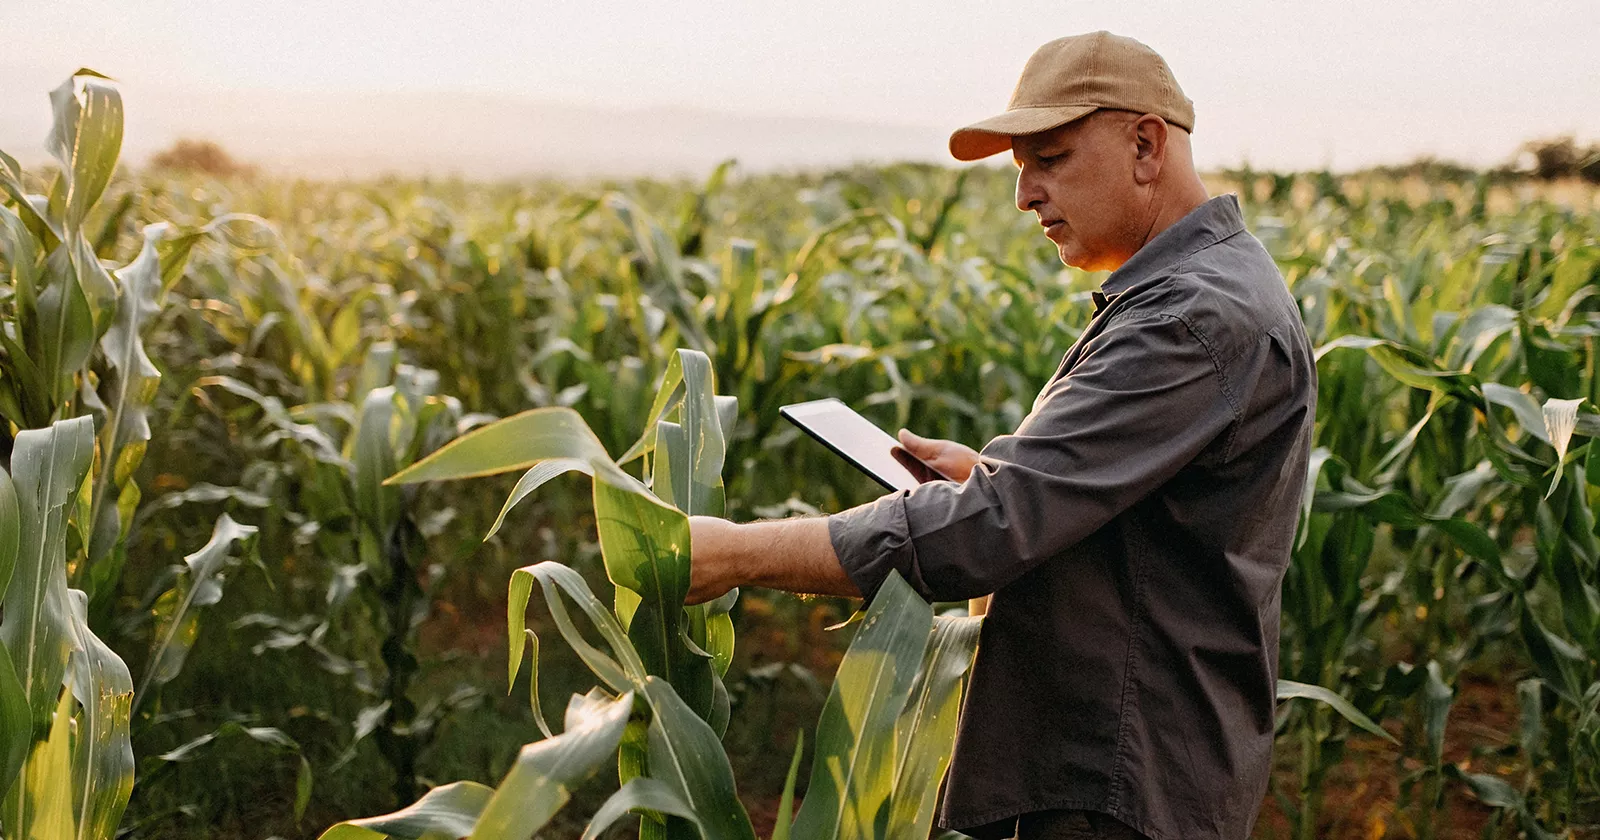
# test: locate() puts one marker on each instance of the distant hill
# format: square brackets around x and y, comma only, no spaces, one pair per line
[476,136]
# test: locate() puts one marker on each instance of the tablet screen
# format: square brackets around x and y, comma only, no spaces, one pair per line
[854,437]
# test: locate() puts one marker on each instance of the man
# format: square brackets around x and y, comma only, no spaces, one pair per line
[1135,529]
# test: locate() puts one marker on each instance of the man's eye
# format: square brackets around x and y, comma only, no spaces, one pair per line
[1051,160]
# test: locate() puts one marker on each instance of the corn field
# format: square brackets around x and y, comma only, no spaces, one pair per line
[285,463]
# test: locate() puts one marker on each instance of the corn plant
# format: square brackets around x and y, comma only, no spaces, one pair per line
[343,452]
[72,359]
[884,737]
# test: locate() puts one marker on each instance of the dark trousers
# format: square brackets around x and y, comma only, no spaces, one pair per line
[1058,825]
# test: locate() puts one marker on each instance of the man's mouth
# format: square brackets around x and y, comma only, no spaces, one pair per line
[1051,226]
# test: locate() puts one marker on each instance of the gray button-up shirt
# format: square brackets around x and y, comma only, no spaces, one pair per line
[1134,531]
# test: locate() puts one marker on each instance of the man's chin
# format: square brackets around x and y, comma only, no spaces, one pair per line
[1072,257]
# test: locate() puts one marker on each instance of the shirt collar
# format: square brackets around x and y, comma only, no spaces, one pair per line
[1215,220]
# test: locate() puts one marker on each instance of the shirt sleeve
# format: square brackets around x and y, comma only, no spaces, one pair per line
[1145,398]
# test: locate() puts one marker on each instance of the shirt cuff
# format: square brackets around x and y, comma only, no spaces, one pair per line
[873,539]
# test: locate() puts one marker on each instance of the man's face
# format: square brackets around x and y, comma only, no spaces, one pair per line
[1080,180]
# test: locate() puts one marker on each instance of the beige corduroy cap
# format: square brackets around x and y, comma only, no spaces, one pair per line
[1072,77]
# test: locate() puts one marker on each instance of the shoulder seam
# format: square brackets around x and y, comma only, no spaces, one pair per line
[1222,377]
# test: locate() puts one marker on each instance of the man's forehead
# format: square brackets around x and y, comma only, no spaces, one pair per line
[1024,145]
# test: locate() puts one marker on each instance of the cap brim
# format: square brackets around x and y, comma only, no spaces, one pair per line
[993,135]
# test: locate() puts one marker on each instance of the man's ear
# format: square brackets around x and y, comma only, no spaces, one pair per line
[1150,147]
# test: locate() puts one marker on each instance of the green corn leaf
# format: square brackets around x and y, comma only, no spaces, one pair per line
[1572,271]
[381,429]
[688,387]
[927,728]
[48,468]
[303,781]
[633,757]
[639,793]
[66,325]
[86,138]
[515,443]
[447,811]
[127,393]
[99,290]
[1558,661]
[701,422]
[1289,690]
[718,640]
[853,768]
[29,208]
[780,829]
[10,530]
[178,617]
[17,245]
[518,592]
[687,755]
[645,545]
[102,760]
[1437,698]
[1400,362]
[545,772]
[533,684]
[668,395]
[16,729]
[267,736]
[39,806]
[621,673]
[1523,406]
[533,479]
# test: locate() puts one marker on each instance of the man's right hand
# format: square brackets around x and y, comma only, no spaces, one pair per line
[953,460]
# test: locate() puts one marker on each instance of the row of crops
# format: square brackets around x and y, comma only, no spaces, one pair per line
[222,621]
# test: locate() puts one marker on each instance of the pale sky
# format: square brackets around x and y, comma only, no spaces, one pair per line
[1275,82]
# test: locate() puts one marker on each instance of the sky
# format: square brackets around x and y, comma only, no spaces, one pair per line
[623,86]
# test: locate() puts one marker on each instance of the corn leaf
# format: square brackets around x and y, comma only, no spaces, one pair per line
[1289,690]
[533,479]
[545,772]
[39,806]
[102,760]
[927,728]
[623,672]
[10,530]
[127,393]
[780,828]
[49,466]
[178,617]
[639,794]
[66,325]
[86,138]
[687,755]
[446,811]
[16,723]
[515,443]
[853,771]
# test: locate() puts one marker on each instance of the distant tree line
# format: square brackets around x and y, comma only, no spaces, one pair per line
[203,156]
[1564,158]
[1547,160]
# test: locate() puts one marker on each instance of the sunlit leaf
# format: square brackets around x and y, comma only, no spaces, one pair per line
[448,811]
[545,772]
[48,469]
[1289,690]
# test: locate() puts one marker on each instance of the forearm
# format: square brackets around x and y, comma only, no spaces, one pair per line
[795,555]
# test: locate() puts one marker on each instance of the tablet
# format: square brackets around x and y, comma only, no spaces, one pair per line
[854,438]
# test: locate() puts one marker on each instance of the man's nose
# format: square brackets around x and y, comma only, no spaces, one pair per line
[1028,191]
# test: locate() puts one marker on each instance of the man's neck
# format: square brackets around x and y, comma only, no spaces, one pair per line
[1183,198]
